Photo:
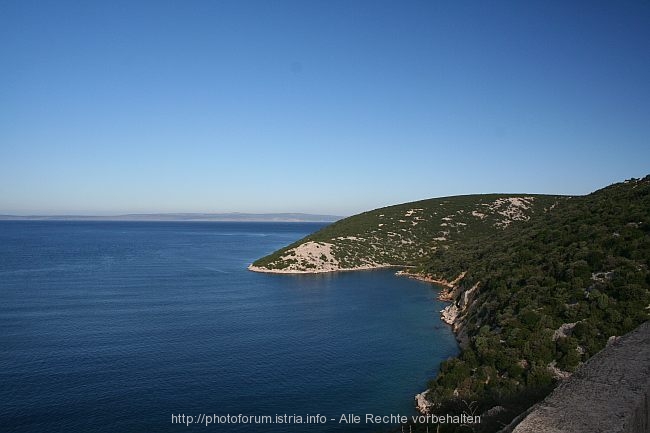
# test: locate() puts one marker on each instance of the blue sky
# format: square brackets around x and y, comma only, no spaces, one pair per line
[315,106]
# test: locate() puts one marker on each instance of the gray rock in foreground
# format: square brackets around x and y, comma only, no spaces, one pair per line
[610,393]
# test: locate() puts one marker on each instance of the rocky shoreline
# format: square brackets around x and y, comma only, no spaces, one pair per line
[452,315]
[429,279]
[322,271]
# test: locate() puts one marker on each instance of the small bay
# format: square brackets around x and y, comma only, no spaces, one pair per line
[117,326]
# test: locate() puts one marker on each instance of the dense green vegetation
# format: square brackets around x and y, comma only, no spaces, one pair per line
[585,263]
[548,280]
[405,233]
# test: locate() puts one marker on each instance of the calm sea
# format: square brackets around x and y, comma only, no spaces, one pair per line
[117,326]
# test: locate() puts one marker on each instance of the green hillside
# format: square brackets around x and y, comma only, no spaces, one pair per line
[404,234]
[548,295]
[540,283]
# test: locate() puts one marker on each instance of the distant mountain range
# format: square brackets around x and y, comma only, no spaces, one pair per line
[233,216]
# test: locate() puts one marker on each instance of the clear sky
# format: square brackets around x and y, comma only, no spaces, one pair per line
[334,106]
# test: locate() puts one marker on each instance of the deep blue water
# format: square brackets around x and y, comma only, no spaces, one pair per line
[115,326]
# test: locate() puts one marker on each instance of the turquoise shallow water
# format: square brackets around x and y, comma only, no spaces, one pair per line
[115,326]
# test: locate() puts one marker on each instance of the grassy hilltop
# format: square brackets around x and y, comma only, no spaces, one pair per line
[404,234]
[538,284]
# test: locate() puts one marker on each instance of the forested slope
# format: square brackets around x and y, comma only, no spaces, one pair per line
[538,300]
